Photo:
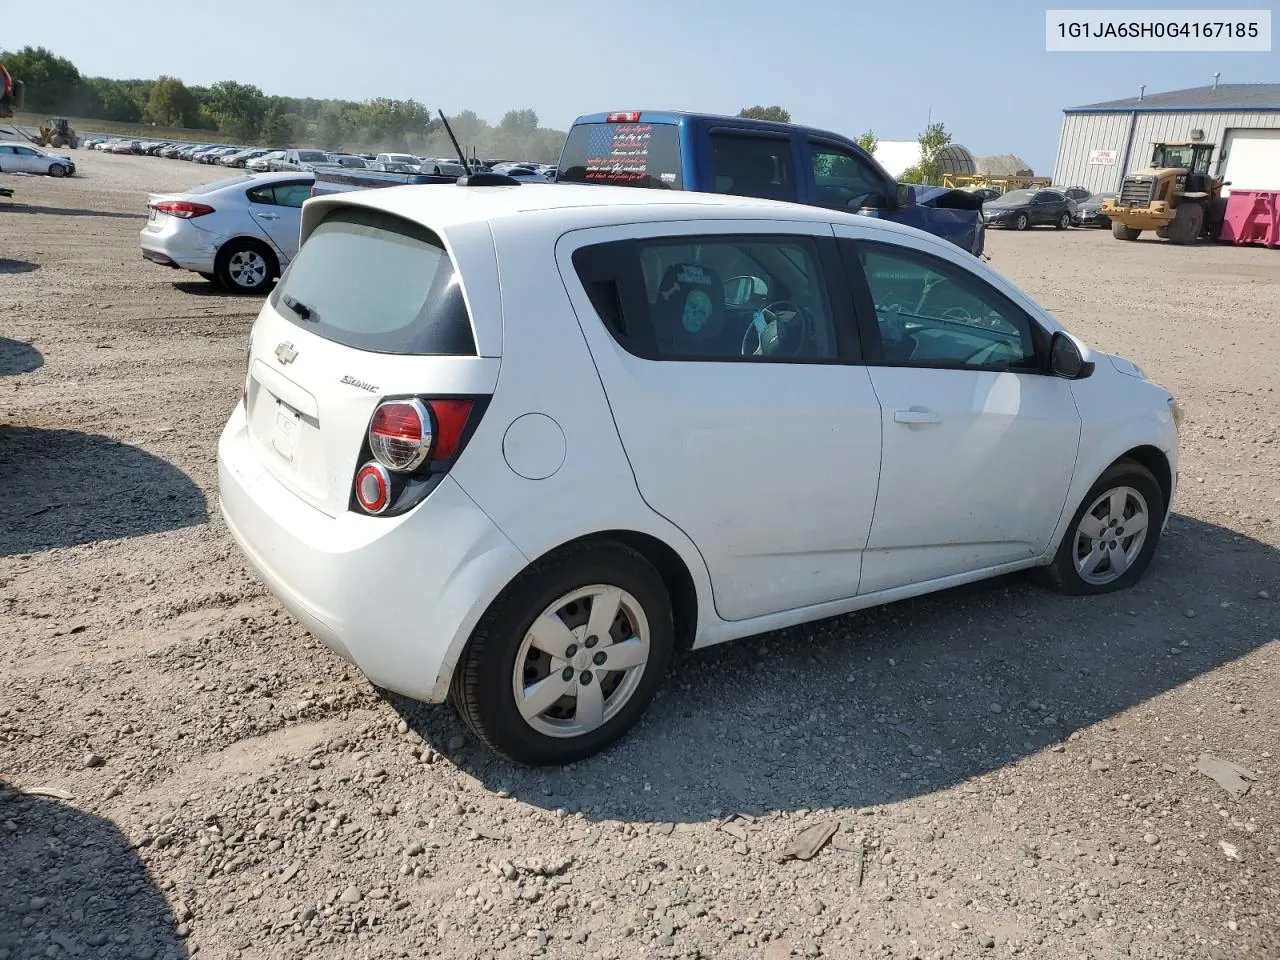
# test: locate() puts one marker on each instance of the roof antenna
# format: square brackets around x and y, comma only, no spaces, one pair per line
[462,157]
[1142,90]
[1216,75]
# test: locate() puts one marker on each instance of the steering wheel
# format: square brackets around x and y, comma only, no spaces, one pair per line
[958,313]
[771,325]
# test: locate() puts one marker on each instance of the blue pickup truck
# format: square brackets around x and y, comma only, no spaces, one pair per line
[757,158]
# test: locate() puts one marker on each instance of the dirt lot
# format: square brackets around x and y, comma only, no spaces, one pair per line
[1011,772]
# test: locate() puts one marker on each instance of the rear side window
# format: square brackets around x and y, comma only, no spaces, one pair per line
[750,166]
[623,154]
[377,282]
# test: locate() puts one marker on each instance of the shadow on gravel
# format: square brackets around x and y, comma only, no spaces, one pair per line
[73,212]
[62,488]
[905,700]
[17,357]
[71,885]
[203,288]
[17,266]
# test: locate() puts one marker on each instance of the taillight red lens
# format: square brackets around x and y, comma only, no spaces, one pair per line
[451,420]
[184,209]
[400,434]
[624,116]
[373,487]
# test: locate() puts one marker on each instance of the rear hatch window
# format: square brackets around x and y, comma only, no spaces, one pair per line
[377,282]
[623,154]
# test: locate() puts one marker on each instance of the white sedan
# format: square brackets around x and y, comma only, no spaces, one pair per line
[24,158]
[240,232]
[514,446]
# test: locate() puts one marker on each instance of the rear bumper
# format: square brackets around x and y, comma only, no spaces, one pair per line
[180,245]
[396,596]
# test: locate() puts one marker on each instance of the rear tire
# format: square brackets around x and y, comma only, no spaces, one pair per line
[246,266]
[1121,232]
[1187,222]
[499,658]
[1118,556]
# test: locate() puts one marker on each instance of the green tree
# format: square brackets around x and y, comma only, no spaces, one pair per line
[932,140]
[117,101]
[277,127]
[766,113]
[518,123]
[171,104]
[238,108]
[331,126]
[51,84]
[868,142]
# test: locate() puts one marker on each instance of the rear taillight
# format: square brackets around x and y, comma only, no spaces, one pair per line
[400,435]
[373,487]
[413,443]
[183,209]
[624,116]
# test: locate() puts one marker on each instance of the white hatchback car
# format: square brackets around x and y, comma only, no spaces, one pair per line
[515,445]
[240,232]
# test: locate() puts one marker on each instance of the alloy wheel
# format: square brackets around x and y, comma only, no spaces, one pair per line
[1110,535]
[581,660]
[247,268]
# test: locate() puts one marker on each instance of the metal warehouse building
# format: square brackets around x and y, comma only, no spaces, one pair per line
[1102,142]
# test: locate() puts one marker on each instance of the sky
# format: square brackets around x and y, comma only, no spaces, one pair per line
[846,66]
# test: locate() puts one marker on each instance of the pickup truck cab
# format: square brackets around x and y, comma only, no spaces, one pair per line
[299,160]
[756,158]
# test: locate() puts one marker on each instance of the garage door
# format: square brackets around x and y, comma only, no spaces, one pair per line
[1253,160]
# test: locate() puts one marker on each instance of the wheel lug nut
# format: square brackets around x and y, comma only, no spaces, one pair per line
[592,641]
[585,677]
[570,651]
[599,658]
[567,673]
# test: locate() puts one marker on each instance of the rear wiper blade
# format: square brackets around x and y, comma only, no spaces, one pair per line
[301,309]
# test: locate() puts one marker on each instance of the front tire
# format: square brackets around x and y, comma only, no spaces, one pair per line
[535,683]
[1113,535]
[57,170]
[1121,232]
[1188,221]
[245,266]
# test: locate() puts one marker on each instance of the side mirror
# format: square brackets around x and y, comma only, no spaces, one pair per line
[905,196]
[1065,360]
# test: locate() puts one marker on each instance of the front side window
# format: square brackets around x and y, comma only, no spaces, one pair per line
[845,182]
[933,313]
[748,166]
[753,298]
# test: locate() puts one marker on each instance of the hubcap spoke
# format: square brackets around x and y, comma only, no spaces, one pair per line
[1093,560]
[1135,524]
[1116,509]
[1091,526]
[604,610]
[1119,561]
[627,654]
[539,697]
[590,711]
[551,636]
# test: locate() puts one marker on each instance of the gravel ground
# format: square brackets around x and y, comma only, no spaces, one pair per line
[184,771]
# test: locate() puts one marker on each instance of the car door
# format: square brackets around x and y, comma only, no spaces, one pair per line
[759,438]
[277,210]
[979,441]
[29,161]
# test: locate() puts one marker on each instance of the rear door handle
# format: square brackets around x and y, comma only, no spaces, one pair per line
[268,216]
[916,416]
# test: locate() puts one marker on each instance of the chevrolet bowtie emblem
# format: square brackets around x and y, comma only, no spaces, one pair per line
[285,353]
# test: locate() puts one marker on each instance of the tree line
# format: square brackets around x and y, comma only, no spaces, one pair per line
[53,85]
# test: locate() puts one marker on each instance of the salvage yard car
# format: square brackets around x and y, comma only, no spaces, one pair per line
[241,232]
[24,158]
[1021,209]
[513,446]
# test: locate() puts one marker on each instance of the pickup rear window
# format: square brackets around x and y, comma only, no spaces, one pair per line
[377,282]
[623,154]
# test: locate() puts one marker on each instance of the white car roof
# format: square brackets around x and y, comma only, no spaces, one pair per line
[442,206]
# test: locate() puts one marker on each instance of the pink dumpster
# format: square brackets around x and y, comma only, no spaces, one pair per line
[1253,216]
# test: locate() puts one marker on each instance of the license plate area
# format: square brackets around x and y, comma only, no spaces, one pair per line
[286,426]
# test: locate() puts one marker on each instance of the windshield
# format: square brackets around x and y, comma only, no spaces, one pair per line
[622,154]
[376,282]
[1017,196]
[310,156]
